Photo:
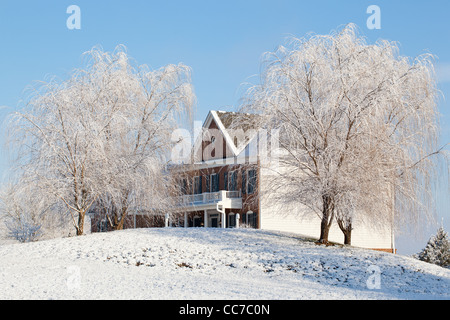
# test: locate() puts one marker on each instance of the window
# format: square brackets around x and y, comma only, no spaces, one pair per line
[232,183]
[249,181]
[244,182]
[251,185]
[231,220]
[102,225]
[225,180]
[214,182]
[184,186]
[207,183]
[252,219]
[198,185]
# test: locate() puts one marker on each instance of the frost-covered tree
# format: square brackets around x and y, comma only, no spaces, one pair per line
[22,216]
[102,135]
[28,216]
[437,250]
[145,108]
[358,123]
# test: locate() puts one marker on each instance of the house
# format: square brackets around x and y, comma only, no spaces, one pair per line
[223,186]
[219,190]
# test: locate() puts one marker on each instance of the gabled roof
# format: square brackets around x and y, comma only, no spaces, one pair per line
[227,122]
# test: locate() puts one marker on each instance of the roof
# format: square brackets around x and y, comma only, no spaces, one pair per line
[244,121]
[237,128]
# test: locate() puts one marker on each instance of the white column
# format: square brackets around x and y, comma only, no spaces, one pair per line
[237,216]
[185,220]
[166,220]
[224,220]
[205,219]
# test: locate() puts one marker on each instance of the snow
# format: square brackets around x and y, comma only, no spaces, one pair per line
[209,263]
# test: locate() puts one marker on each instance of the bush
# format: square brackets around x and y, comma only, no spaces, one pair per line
[23,230]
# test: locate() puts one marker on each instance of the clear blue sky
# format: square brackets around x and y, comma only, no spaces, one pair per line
[222,41]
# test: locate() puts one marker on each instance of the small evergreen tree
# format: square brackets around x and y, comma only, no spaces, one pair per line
[437,250]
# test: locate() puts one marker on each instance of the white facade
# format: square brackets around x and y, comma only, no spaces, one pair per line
[298,219]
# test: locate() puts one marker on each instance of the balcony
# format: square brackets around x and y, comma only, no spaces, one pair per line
[210,200]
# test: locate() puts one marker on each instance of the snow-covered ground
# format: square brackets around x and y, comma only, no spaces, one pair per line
[177,263]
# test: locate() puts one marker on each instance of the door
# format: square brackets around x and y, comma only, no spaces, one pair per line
[197,222]
[214,221]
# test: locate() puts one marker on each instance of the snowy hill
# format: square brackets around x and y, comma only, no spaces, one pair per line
[177,263]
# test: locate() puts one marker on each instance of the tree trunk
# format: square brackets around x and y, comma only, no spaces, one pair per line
[346,228]
[324,230]
[119,218]
[348,237]
[121,213]
[327,219]
[119,225]
[80,226]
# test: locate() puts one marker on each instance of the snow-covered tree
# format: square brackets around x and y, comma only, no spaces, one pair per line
[147,106]
[102,135]
[358,123]
[22,216]
[29,216]
[437,250]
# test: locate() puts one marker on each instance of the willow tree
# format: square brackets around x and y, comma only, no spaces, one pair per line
[100,137]
[358,125]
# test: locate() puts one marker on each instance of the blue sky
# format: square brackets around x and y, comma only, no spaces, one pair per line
[222,41]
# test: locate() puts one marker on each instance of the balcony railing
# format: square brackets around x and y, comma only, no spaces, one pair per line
[210,198]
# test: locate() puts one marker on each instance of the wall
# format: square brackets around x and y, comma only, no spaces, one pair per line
[299,219]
